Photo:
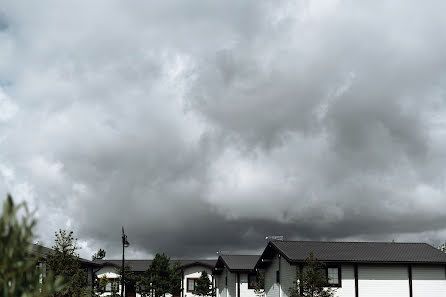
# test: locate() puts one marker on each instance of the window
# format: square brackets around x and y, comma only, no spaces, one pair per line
[334,276]
[112,285]
[278,276]
[252,280]
[191,284]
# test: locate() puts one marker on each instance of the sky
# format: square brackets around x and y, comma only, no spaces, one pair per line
[204,126]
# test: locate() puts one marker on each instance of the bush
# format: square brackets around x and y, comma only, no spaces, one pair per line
[19,272]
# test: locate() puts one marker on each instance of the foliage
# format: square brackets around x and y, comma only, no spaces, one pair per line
[64,261]
[442,247]
[312,281]
[159,275]
[99,255]
[131,278]
[203,285]
[259,287]
[175,275]
[18,274]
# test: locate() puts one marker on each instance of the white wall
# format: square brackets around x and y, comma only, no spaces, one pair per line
[194,272]
[383,280]
[271,286]
[373,280]
[244,290]
[428,281]
[347,281]
[109,272]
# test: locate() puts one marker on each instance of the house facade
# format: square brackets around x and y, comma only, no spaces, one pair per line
[235,275]
[358,269]
[190,269]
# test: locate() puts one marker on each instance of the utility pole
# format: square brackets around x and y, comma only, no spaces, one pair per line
[125,244]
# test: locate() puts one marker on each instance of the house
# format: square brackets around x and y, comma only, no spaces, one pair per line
[191,271]
[358,269]
[235,275]
[42,252]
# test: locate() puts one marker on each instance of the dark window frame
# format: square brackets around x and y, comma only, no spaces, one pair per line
[252,275]
[187,283]
[339,283]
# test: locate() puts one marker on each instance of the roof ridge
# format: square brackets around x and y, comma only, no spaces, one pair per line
[332,241]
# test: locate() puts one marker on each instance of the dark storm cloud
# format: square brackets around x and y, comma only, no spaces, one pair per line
[207,126]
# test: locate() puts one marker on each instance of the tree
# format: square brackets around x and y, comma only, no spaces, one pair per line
[99,255]
[442,247]
[131,278]
[175,276]
[64,261]
[203,285]
[159,275]
[312,281]
[18,273]
[259,287]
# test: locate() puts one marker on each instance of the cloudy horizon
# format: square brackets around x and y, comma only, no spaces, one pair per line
[205,126]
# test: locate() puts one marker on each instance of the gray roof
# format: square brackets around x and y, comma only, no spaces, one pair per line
[238,262]
[143,265]
[43,252]
[359,252]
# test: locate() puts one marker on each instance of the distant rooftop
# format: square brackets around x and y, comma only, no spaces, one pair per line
[143,265]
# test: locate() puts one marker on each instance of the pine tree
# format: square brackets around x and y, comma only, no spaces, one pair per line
[175,276]
[99,255]
[18,273]
[259,287]
[159,275]
[203,285]
[312,281]
[64,261]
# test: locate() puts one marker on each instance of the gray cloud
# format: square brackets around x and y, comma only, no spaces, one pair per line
[206,126]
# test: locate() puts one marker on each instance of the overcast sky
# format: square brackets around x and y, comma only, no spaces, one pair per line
[207,125]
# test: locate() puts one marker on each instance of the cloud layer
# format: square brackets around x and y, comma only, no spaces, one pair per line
[206,126]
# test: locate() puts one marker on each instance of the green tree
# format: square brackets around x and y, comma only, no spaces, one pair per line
[18,274]
[312,281]
[442,247]
[99,255]
[203,285]
[64,261]
[159,275]
[259,287]
[175,276]
[131,278]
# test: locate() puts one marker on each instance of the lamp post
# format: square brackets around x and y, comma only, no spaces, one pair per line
[125,244]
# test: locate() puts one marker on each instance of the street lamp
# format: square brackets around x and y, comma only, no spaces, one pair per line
[125,244]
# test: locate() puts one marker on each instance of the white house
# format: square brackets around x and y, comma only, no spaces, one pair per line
[191,271]
[235,275]
[358,269]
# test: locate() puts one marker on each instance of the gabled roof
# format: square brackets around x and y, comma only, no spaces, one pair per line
[237,262]
[143,265]
[43,252]
[355,252]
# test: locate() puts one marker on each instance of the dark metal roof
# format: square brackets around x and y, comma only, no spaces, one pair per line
[238,262]
[360,252]
[43,252]
[143,265]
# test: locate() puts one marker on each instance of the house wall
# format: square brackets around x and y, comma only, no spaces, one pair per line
[383,280]
[244,290]
[373,280]
[428,281]
[232,284]
[272,288]
[194,272]
[220,284]
[109,272]
[348,281]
